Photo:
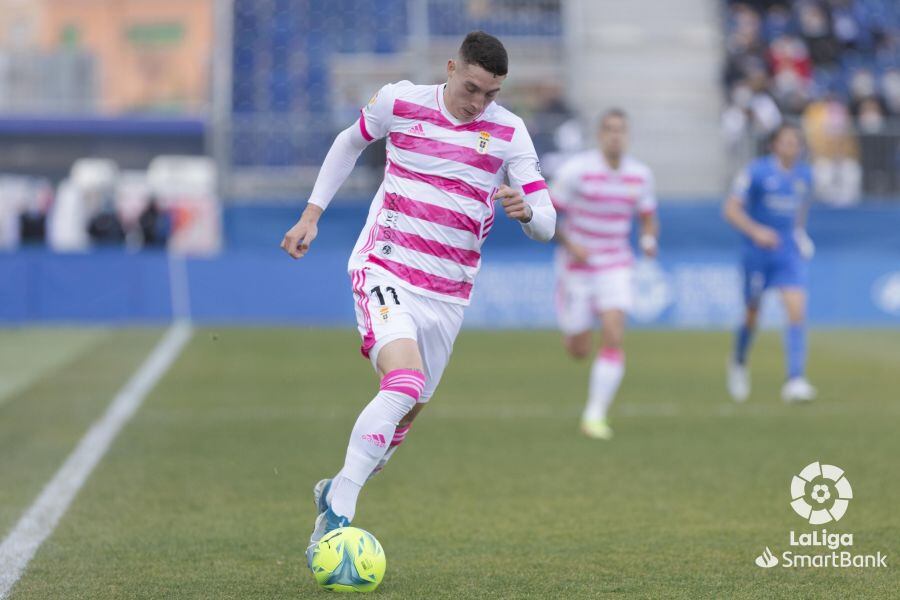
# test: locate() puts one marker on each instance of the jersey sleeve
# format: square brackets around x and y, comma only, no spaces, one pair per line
[647,202]
[523,167]
[376,116]
[564,186]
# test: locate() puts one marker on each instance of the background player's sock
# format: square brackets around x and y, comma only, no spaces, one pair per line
[373,432]
[399,436]
[795,350]
[742,344]
[606,375]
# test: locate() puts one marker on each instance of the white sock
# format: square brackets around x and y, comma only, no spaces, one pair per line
[373,432]
[606,375]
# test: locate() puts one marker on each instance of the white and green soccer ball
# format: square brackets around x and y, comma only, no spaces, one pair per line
[348,559]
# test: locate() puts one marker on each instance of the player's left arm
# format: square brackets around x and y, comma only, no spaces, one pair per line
[526,199]
[649,235]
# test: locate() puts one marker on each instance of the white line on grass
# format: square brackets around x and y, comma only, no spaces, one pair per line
[42,516]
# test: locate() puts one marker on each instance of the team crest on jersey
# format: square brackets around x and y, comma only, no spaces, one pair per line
[372,100]
[484,139]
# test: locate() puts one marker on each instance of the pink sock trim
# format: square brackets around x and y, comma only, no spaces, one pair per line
[616,355]
[399,435]
[404,381]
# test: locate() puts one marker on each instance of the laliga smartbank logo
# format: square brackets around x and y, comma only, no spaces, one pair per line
[820,494]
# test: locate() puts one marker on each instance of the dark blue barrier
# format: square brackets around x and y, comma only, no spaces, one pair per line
[854,279]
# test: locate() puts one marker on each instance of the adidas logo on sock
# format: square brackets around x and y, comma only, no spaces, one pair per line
[375,438]
[416,129]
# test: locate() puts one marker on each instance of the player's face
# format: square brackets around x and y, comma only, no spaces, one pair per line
[613,136]
[470,89]
[788,146]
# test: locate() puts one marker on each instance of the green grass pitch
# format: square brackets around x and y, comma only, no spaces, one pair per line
[207,492]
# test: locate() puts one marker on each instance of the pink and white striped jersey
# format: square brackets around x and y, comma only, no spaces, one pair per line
[599,205]
[432,213]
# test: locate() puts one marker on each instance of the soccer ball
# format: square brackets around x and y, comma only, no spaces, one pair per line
[348,559]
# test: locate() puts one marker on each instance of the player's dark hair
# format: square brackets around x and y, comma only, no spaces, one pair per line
[612,113]
[486,51]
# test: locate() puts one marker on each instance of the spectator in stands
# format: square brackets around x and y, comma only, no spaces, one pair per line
[154,225]
[837,175]
[815,28]
[890,86]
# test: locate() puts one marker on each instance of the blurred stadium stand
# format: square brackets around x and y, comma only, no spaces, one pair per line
[281,77]
[833,65]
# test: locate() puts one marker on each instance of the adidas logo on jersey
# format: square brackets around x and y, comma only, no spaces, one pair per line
[416,129]
[375,438]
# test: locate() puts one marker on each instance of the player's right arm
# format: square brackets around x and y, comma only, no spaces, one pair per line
[735,213]
[563,189]
[374,122]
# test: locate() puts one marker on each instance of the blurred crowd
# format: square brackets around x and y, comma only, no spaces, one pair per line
[173,204]
[834,65]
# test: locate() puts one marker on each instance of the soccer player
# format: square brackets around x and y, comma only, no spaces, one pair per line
[768,206]
[599,191]
[450,148]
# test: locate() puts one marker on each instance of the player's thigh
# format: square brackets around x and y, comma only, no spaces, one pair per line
[575,310]
[386,320]
[755,280]
[437,336]
[794,299]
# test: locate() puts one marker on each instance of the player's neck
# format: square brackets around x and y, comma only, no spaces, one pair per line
[461,119]
[784,164]
[614,162]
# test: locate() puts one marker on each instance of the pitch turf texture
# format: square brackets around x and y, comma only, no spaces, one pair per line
[207,492]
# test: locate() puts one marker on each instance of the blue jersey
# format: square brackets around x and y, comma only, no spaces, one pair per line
[774,197]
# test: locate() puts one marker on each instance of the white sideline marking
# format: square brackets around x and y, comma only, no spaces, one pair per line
[42,516]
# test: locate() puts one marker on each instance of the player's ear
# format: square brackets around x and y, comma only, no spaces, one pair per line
[451,68]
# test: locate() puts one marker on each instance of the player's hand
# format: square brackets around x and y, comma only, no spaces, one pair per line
[804,244]
[297,240]
[513,204]
[579,254]
[649,246]
[765,237]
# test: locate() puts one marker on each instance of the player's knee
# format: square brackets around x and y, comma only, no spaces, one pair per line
[578,346]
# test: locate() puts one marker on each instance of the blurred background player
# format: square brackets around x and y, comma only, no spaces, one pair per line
[449,150]
[599,192]
[768,206]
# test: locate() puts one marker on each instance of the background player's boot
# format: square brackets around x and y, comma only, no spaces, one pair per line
[320,495]
[738,381]
[797,389]
[325,522]
[597,429]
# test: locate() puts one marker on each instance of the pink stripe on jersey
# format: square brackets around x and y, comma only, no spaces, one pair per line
[600,215]
[431,212]
[534,186]
[612,177]
[597,234]
[454,186]
[587,268]
[362,127]
[408,110]
[421,279]
[607,198]
[446,151]
[468,258]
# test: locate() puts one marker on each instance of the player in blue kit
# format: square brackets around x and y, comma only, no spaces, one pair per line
[768,206]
